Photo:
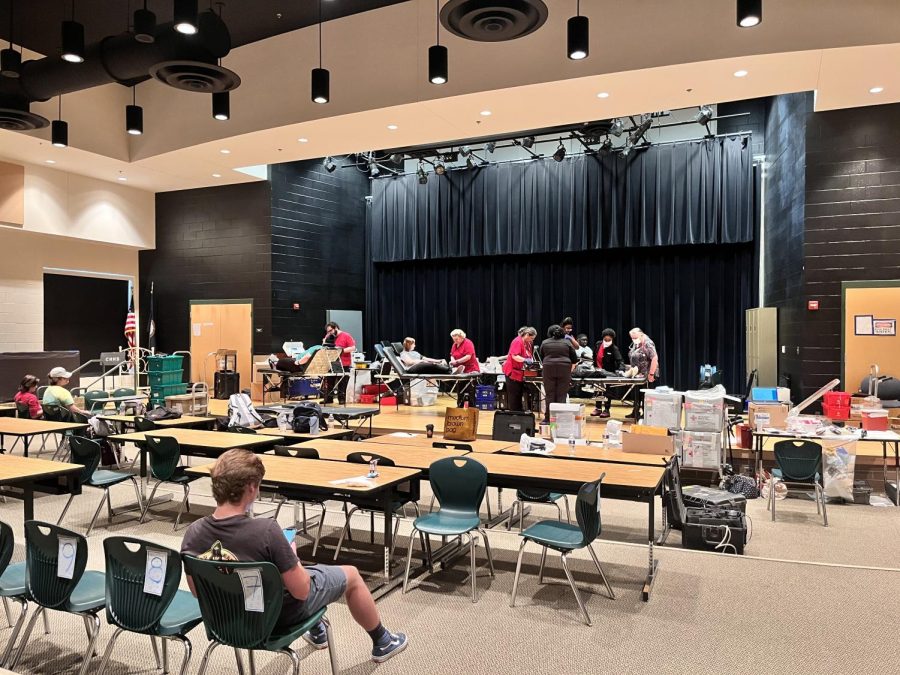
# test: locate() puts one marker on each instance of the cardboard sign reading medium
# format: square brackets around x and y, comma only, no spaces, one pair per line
[461,424]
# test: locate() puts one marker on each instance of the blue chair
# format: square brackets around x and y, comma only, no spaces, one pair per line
[83,594]
[799,465]
[168,616]
[459,483]
[87,453]
[229,622]
[565,538]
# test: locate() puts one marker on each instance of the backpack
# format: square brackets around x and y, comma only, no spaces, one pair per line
[162,413]
[308,419]
[741,485]
[241,412]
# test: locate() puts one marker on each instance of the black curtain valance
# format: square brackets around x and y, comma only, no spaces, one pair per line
[697,192]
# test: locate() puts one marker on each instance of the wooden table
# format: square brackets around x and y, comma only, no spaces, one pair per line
[413,458]
[7,409]
[297,437]
[598,454]
[25,472]
[422,441]
[290,475]
[16,426]
[629,482]
[183,421]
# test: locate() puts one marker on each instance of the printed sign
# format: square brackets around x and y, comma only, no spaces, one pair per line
[65,561]
[884,327]
[862,324]
[155,571]
[251,581]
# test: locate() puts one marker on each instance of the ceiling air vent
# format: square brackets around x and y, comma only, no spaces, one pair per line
[493,21]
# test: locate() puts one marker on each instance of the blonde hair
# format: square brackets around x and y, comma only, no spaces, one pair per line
[233,472]
[457,332]
[408,341]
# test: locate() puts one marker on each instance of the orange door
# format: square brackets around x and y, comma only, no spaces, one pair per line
[220,325]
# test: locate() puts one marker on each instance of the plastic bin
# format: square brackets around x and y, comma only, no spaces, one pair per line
[163,390]
[486,405]
[485,393]
[703,414]
[164,363]
[700,449]
[836,399]
[162,377]
[662,409]
[367,398]
[861,492]
[875,420]
[836,412]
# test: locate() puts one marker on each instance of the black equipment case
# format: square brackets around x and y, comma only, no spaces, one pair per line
[713,529]
[509,425]
[227,382]
[698,496]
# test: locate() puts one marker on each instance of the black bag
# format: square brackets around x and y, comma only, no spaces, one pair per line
[269,421]
[713,529]
[227,382]
[162,413]
[509,425]
[110,455]
[301,424]
[698,496]
[741,485]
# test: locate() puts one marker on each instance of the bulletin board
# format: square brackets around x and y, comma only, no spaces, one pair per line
[871,314]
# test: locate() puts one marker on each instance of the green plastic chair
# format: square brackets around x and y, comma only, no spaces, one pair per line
[90,400]
[123,391]
[165,455]
[372,506]
[565,538]
[298,498]
[228,622]
[532,496]
[459,483]
[12,585]
[87,453]
[168,616]
[84,594]
[799,465]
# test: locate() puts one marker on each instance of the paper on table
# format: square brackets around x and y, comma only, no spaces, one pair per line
[403,434]
[357,481]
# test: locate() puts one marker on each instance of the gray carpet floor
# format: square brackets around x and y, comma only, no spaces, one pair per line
[805,599]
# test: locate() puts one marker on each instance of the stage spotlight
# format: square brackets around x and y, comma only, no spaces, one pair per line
[470,163]
[605,146]
[439,168]
[635,136]
[617,128]
[528,142]
[423,177]
[397,158]
[560,153]
[490,146]
[465,151]
[626,150]
[373,168]
[704,115]
[329,165]
[749,13]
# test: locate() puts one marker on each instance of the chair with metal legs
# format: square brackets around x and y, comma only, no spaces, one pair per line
[87,453]
[459,483]
[799,466]
[300,499]
[531,496]
[565,538]
[12,586]
[165,453]
[55,560]
[241,620]
[152,606]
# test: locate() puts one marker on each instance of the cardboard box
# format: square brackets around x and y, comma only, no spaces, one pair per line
[648,430]
[777,414]
[646,444]
[256,391]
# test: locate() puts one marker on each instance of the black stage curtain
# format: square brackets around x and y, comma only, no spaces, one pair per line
[689,300]
[697,192]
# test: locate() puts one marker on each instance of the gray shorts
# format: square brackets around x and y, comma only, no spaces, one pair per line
[327,584]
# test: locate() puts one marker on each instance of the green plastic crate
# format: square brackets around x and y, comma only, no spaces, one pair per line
[163,377]
[164,363]
[163,390]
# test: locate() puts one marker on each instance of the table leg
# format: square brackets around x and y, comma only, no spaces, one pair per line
[388,534]
[26,439]
[652,563]
[28,500]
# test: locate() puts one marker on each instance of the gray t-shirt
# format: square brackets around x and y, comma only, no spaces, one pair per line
[244,539]
[410,357]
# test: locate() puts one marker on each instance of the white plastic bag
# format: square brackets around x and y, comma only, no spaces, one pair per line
[534,445]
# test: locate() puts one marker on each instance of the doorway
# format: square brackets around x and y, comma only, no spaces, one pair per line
[221,324]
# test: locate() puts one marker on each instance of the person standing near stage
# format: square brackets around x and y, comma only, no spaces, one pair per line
[345,342]
[610,364]
[462,353]
[568,326]
[642,355]
[558,359]
[521,353]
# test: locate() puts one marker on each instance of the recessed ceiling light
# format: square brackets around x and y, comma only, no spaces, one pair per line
[122,178]
[392,127]
[50,161]
[876,90]
[225,151]
[303,140]
[217,175]
[485,113]
[603,94]
[740,73]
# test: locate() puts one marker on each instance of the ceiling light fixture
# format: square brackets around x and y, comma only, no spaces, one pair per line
[439,168]
[740,73]
[392,127]
[59,130]
[225,151]
[185,12]
[321,78]
[876,90]
[10,59]
[420,172]
[486,113]
[49,161]
[221,105]
[578,41]
[122,178]
[438,58]
[749,13]
[134,116]
[303,140]
[72,39]
[329,165]
[217,175]
[560,153]
[144,25]
[603,94]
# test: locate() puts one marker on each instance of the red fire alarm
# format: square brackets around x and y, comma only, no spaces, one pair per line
[295,306]
[812,305]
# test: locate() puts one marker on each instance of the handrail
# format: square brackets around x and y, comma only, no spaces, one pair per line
[118,366]
[85,364]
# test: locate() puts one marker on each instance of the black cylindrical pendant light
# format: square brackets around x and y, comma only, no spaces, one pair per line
[186,16]
[72,42]
[749,13]
[10,62]
[578,38]
[221,105]
[438,57]
[144,25]
[321,78]
[134,116]
[59,133]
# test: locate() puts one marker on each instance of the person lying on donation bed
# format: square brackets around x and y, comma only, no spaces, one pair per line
[231,534]
[416,364]
[644,362]
[584,353]
[610,363]
[27,396]
[57,394]
[520,355]
[301,359]
[462,354]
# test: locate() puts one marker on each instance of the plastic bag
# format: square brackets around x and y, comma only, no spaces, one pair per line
[535,445]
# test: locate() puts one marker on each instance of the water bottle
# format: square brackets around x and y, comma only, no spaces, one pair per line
[571,446]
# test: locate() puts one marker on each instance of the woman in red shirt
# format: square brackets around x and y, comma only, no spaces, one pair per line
[521,352]
[462,354]
[27,395]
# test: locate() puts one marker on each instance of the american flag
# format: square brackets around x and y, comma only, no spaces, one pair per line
[130,325]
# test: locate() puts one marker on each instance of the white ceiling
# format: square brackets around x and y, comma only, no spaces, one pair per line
[657,55]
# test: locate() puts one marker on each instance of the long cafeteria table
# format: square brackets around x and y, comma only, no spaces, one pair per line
[27,472]
[26,429]
[409,457]
[422,441]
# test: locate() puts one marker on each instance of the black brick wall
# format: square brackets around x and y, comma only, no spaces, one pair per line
[318,234]
[212,243]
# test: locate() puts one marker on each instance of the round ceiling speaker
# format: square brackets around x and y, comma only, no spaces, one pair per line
[493,20]
[16,116]
[204,78]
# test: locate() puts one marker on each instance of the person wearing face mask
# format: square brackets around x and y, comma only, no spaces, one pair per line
[642,355]
[558,359]
[521,353]
[609,361]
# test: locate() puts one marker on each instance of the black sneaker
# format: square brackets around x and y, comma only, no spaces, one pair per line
[394,646]
[317,637]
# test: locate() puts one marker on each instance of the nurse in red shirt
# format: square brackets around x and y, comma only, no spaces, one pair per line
[347,345]
[521,352]
[462,354]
